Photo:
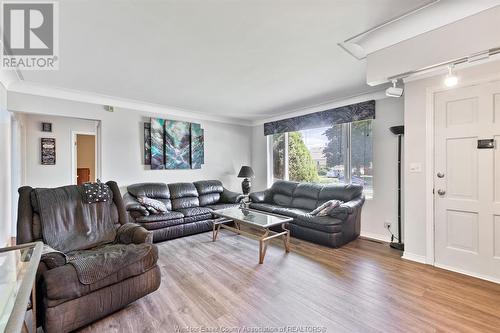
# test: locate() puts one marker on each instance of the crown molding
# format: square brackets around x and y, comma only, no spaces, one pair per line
[31,88]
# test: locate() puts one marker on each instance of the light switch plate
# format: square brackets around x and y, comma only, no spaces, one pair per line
[415,167]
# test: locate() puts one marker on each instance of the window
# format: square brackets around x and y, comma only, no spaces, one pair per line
[342,153]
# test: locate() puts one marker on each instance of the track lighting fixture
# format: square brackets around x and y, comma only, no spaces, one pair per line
[394,91]
[450,80]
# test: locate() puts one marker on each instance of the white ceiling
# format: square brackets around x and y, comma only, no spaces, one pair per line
[245,59]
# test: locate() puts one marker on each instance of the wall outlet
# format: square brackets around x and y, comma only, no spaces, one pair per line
[387,225]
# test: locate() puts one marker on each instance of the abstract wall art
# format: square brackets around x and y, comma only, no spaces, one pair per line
[157,144]
[147,143]
[177,144]
[48,151]
[197,146]
[172,144]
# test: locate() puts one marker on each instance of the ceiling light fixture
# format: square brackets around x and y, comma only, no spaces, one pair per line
[394,91]
[450,80]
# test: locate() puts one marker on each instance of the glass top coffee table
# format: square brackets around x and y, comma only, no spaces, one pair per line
[18,266]
[257,219]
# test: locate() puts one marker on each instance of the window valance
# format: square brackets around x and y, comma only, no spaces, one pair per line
[343,114]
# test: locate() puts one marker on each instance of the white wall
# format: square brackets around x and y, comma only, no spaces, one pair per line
[259,158]
[60,174]
[5,169]
[227,146]
[383,206]
[418,99]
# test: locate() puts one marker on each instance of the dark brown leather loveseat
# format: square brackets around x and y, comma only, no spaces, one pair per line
[297,200]
[94,262]
[189,205]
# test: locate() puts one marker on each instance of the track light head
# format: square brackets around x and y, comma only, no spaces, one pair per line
[394,91]
[450,80]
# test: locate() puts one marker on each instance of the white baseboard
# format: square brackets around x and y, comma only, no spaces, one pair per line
[414,257]
[378,237]
[479,276]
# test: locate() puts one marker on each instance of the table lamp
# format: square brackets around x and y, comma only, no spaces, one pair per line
[246,172]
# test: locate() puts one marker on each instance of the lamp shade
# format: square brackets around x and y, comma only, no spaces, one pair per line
[246,172]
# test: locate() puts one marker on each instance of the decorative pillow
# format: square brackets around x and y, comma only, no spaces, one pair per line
[151,210]
[154,206]
[95,192]
[326,208]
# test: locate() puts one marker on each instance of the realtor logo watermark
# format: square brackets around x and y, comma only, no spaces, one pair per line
[30,35]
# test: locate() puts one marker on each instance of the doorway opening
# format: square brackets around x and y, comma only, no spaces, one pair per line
[84,157]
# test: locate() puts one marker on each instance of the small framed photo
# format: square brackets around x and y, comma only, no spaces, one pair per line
[46,127]
[48,151]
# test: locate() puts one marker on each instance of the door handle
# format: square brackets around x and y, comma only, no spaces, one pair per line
[441,192]
[440,175]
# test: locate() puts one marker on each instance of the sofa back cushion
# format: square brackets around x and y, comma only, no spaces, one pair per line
[306,196]
[282,192]
[183,195]
[209,191]
[157,191]
[342,192]
[150,190]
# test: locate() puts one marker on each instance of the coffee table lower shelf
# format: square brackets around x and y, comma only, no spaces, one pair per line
[263,239]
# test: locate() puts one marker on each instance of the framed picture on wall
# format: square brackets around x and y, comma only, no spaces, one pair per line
[48,151]
[46,127]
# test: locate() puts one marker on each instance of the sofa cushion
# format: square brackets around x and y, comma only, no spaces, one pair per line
[321,223]
[162,224]
[182,190]
[306,196]
[150,190]
[304,203]
[284,187]
[307,190]
[197,218]
[342,192]
[208,186]
[62,282]
[282,199]
[183,195]
[187,202]
[290,212]
[222,206]
[172,215]
[193,211]
[264,207]
[209,199]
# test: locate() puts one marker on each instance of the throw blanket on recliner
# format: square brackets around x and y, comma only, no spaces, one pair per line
[69,224]
[96,264]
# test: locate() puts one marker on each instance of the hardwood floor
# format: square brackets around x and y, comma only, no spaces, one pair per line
[362,287]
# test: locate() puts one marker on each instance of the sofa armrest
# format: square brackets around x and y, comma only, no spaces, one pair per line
[349,207]
[131,204]
[230,196]
[131,233]
[258,196]
[52,258]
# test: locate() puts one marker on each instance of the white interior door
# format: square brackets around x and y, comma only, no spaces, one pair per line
[467,180]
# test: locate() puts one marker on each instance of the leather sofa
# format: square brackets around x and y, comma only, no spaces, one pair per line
[189,205]
[100,233]
[297,200]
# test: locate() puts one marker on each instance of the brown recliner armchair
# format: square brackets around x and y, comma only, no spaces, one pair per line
[94,261]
